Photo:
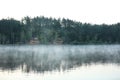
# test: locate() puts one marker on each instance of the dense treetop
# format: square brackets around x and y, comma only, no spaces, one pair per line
[56,31]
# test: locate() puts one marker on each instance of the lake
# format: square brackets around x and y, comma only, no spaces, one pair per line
[59,62]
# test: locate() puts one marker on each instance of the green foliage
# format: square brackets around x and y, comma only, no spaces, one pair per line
[48,30]
[10,31]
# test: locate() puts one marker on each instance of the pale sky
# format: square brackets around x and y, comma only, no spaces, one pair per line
[90,11]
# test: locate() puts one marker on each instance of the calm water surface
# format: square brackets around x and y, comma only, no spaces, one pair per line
[60,62]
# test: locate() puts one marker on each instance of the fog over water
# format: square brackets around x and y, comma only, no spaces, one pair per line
[40,58]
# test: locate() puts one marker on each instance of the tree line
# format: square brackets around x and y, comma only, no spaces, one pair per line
[50,30]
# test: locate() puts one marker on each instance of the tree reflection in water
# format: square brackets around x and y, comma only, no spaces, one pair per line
[40,61]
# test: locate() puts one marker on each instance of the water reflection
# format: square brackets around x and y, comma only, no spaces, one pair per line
[92,72]
[47,58]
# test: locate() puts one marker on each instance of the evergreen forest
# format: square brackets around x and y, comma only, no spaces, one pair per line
[52,31]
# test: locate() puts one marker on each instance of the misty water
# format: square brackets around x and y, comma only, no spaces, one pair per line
[60,62]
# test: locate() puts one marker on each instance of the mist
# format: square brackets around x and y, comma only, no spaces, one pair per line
[56,57]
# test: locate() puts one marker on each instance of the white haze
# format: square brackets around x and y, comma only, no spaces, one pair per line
[90,11]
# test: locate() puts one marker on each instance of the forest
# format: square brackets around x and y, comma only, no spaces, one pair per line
[44,30]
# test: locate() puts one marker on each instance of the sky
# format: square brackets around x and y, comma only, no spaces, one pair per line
[89,11]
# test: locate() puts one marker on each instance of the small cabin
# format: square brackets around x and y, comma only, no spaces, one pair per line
[34,41]
[58,41]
